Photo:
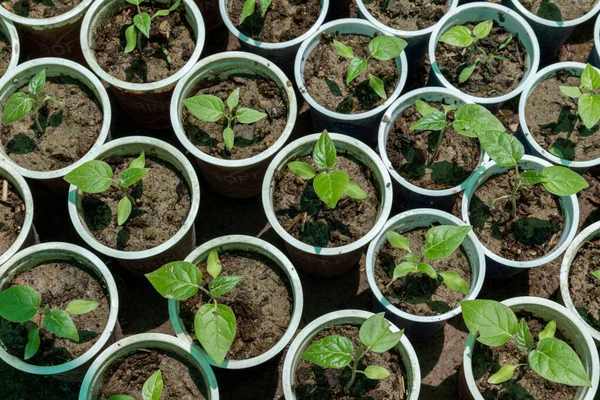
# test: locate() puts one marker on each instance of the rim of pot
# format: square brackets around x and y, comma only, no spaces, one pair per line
[584,236]
[354,26]
[340,317]
[14,78]
[20,185]
[555,24]
[161,341]
[539,77]
[228,60]
[165,152]
[239,242]
[223,9]
[596,47]
[388,121]
[344,144]
[503,12]
[87,38]
[59,20]
[569,229]
[477,269]
[578,335]
[10,31]
[26,259]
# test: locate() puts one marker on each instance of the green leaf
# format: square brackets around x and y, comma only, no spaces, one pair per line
[397,241]
[33,343]
[123,210]
[131,39]
[466,73]
[494,322]
[78,307]
[213,265]
[376,335]
[61,324]
[177,280]
[403,269]
[17,106]
[354,191]
[247,10]
[472,119]
[441,241]
[483,29]
[94,176]
[424,108]
[386,47]
[248,115]
[588,107]
[264,6]
[561,181]
[19,303]
[324,153]
[164,13]
[523,336]
[205,107]
[449,107]
[556,361]
[415,258]
[330,352]
[135,2]
[37,83]
[139,162]
[427,269]
[531,177]
[504,374]
[120,397]
[223,284]
[331,186]
[455,282]
[153,387]
[175,6]
[433,121]
[571,91]
[503,148]
[355,68]
[376,372]
[233,99]
[590,78]
[506,42]
[131,175]
[302,169]
[548,331]
[228,137]
[459,36]
[215,328]
[343,50]
[142,22]
[596,274]
[377,85]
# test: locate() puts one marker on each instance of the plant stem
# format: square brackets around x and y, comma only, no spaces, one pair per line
[139,41]
[513,195]
[359,354]
[36,114]
[437,145]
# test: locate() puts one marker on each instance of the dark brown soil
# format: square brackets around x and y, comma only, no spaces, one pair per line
[284,20]
[70,128]
[40,9]
[411,152]
[257,93]
[553,121]
[325,76]
[172,32]
[58,284]
[314,382]
[127,376]
[526,383]
[489,79]
[559,10]
[532,234]
[12,216]
[262,303]
[418,294]
[304,215]
[163,202]
[406,15]
[5,53]
[584,287]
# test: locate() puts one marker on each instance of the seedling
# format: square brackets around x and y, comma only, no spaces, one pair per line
[494,324]
[338,351]
[141,25]
[463,37]
[209,108]
[96,176]
[330,185]
[151,390]
[596,274]
[23,304]
[440,242]
[587,95]
[382,48]
[248,8]
[21,104]
[214,323]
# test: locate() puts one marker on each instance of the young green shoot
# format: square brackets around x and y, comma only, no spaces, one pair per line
[338,351]
[152,389]
[209,108]
[587,95]
[250,5]
[21,304]
[214,323]
[141,25]
[382,48]
[494,324]
[596,274]
[96,176]
[440,242]
[20,104]
[330,185]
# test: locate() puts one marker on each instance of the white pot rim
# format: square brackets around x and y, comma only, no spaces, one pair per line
[47,23]
[15,44]
[555,24]
[282,81]
[597,35]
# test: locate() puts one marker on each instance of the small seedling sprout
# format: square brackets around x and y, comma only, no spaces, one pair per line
[249,6]
[141,25]
[596,274]
[151,390]
[588,98]
[21,304]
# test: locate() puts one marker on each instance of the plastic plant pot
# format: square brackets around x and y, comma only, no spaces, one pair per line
[146,103]
[500,267]
[327,261]
[345,317]
[533,146]
[417,327]
[510,20]
[177,247]
[246,243]
[594,57]
[234,178]
[10,32]
[18,77]
[362,125]
[404,191]
[571,329]
[192,354]
[53,252]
